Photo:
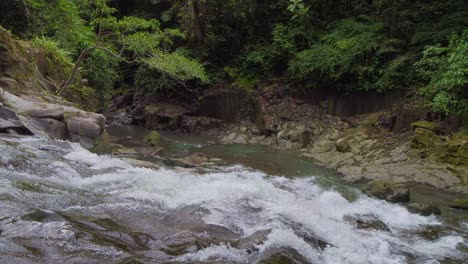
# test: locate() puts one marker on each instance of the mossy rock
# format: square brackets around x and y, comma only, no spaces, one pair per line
[461,203]
[432,126]
[423,209]
[154,138]
[390,191]
[104,145]
[427,138]
[284,255]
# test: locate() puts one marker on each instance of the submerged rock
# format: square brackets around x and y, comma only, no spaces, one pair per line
[194,160]
[390,191]
[423,209]
[366,222]
[283,255]
[154,138]
[460,204]
[104,145]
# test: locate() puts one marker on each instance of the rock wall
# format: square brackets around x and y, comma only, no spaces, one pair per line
[361,147]
[353,103]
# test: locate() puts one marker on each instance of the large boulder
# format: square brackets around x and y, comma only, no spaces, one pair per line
[51,127]
[161,116]
[390,191]
[86,127]
[9,122]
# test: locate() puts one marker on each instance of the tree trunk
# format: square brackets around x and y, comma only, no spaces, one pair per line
[197,24]
[78,62]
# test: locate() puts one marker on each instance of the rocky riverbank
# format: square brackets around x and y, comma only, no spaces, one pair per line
[388,144]
[28,100]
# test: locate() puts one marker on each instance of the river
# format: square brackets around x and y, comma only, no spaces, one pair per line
[60,203]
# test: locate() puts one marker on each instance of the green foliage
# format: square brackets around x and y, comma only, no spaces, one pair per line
[59,60]
[345,50]
[168,71]
[344,45]
[298,8]
[59,20]
[101,71]
[240,79]
[446,69]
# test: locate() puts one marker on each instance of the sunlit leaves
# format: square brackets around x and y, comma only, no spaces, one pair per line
[446,68]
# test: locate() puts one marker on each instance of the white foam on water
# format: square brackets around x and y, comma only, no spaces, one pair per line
[93,160]
[250,201]
[217,252]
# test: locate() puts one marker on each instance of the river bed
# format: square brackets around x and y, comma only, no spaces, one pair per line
[61,203]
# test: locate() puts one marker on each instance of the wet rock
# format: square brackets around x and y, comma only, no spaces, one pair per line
[126,152]
[154,138]
[194,160]
[215,234]
[434,232]
[342,145]
[251,242]
[197,238]
[85,142]
[389,191]
[366,222]
[150,151]
[283,255]
[9,121]
[143,164]
[42,216]
[104,145]
[460,204]
[423,209]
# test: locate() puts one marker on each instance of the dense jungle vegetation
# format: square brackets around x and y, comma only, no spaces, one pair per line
[162,46]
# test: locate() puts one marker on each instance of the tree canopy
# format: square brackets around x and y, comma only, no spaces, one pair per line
[153,46]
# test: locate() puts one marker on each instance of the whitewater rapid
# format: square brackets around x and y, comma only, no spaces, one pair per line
[240,199]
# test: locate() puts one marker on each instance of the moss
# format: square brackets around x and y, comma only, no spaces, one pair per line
[426,125]
[391,191]
[27,186]
[424,136]
[104,145]
[154,138]
[461,203]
